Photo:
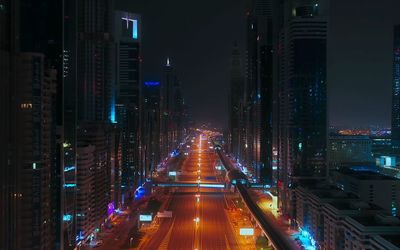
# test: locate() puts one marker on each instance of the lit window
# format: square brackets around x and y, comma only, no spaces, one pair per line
[26,105]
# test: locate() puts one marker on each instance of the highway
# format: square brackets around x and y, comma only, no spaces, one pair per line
[278,239]
[212,231]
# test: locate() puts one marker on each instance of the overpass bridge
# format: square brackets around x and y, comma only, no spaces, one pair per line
[190,184]
[207,184]
[275,236]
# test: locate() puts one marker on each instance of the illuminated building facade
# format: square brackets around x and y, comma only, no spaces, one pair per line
[31,164]
[396,90]
[85,214]
[87,72]
[95,173]
[172,110]
[329,218]
[349,149]
[151,126]
[94,58]
[257,105]
[369,186]
[8,173]
[70,115]
[303,97]
[127,108]
[235,103]
[31,130]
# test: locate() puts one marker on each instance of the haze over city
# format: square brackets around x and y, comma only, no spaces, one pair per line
[199,125]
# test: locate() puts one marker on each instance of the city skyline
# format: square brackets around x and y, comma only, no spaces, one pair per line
[231,124]
[351,42]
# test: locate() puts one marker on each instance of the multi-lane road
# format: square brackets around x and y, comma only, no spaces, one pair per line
[199,220]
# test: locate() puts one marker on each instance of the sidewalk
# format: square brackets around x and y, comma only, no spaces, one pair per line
[239,218]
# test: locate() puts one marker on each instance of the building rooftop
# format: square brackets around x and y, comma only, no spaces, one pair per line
[333,193]
[394,239]
[324,190]
[354,205]
[364,174]
[348,137]
[376,220]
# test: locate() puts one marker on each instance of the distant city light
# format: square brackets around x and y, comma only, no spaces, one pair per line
[110,208]
[112,114]
[246,231]
[69,168]
[212,185]
[135,29]
[145,217]
[67,217]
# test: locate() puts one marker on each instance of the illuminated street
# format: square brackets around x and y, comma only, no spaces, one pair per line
[199,219]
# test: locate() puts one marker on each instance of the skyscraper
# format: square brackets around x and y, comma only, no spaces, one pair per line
[171,100]
[151,126]
[96,135]
[31,127]
[30,57]
[258,93]
[70,122]
[303,115]
[87,92]
[396,89]
[8,173]
[94,57]
[235,100]
[126,105]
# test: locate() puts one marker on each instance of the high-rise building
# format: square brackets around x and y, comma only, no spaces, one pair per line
[396,89]
[43,34]
[30,56]
[257,105]
[369,186]
[345,149]
[302,107]
[94,59]
[235,100]
[8,173]
[334,219]
[31,152]
[126,106]
[85,212]
[171,111]
[151,126]
[97,134]
[70,122]
[87,101]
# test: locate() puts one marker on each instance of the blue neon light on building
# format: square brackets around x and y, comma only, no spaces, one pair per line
[135,29]
[67,217]
[69,185]
[112,114]
[152,83]
[69,168]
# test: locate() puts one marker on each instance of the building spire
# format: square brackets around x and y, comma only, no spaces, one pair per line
[168,62]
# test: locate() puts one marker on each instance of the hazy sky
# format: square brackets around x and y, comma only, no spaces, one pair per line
[198,36]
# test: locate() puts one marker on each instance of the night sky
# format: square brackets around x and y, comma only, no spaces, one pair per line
[198,36]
